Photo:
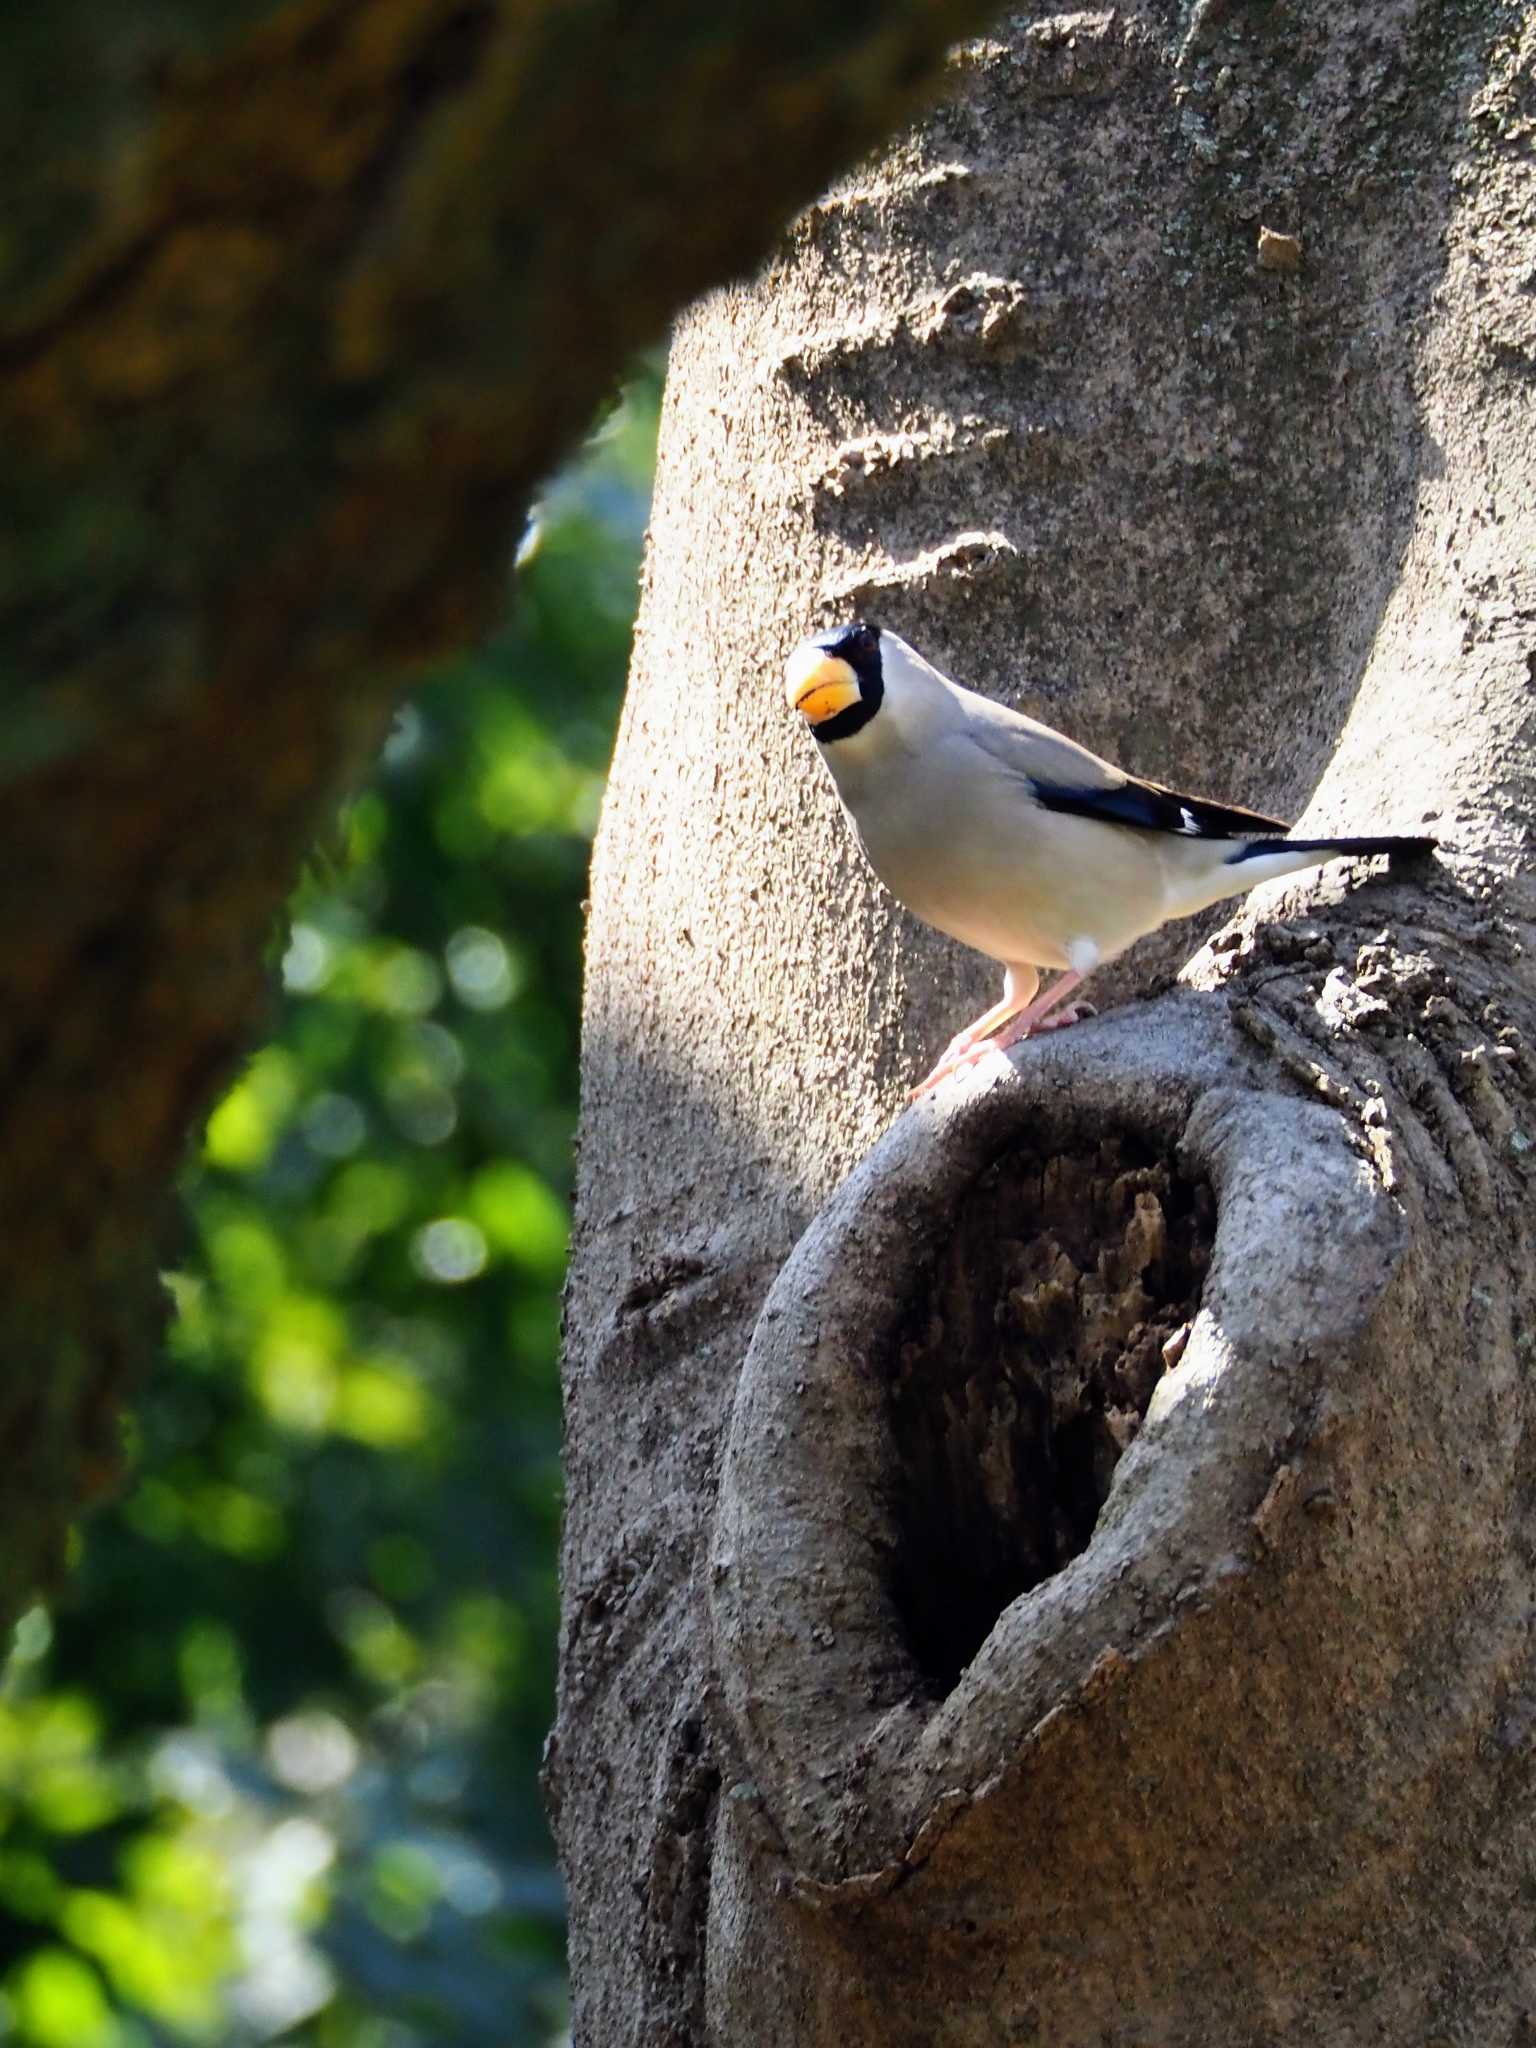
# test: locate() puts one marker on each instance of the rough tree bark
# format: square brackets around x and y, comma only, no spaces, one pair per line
[949,1657]
[301,300]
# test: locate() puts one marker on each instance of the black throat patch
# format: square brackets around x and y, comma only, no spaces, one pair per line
[859,646]
[846,723]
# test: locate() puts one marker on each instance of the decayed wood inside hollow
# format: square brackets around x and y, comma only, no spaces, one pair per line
[1022,1374]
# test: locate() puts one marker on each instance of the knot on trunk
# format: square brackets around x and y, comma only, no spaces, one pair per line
[1008,1416]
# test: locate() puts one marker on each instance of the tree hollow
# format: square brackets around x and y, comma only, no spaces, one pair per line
[1022,1372]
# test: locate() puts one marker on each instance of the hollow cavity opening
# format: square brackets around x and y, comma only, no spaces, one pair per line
[1022,1372]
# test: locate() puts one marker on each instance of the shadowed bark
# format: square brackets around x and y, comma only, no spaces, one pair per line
[301,302]
[1223,1731]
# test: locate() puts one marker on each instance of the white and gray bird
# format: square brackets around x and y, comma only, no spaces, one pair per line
[1013,838]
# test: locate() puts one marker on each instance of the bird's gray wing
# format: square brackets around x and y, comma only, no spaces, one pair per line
[1066,777]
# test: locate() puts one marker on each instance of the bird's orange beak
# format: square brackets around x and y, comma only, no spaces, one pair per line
[818,685]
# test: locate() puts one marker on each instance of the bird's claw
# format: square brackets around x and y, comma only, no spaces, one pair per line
[1074,1013]
[971,1057]
[964,1051]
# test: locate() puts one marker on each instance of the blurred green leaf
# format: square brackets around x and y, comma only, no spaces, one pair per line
[58,2002]
[270,1768]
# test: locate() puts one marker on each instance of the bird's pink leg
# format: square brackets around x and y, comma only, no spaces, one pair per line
[1037,1017]
[1004,1025]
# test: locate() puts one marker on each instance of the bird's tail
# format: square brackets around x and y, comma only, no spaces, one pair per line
[1209,874]
[1303,852]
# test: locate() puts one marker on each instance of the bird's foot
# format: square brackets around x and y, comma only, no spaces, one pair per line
[1058,1020]
[961,1050]
[969,1051]
[958,1063]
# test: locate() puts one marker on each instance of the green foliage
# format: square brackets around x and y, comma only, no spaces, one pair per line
[271,1770]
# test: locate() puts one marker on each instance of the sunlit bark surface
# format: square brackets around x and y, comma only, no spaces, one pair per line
[957,1648]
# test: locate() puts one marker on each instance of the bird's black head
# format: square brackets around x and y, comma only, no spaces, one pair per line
[835,681]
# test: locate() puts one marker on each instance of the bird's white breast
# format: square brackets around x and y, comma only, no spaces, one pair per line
[961,841]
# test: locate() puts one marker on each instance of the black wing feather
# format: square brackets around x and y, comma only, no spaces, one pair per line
[1151,808]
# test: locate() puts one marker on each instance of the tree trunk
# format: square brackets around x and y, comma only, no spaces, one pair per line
[951,1656]
[301,303]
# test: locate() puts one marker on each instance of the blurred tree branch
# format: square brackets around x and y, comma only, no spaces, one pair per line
[301,305]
